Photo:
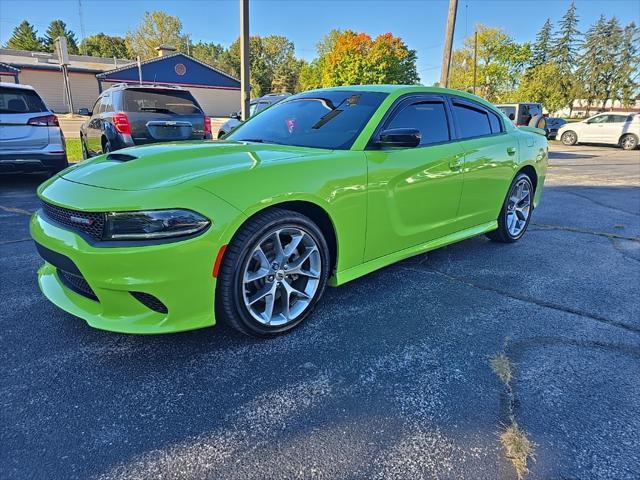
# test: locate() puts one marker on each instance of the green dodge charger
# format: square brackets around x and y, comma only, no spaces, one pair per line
[319,189]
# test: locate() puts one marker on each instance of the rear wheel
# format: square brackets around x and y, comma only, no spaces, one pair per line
[106,145]
[516,211]
[629,142]
[569,138]
[83,144]
[221,134]
[273,273]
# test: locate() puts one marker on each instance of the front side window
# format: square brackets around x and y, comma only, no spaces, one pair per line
[599,119]
[321,119]
[472,122]
[430,118]
[14,100]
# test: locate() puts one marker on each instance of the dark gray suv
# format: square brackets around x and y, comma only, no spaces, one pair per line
[128,115]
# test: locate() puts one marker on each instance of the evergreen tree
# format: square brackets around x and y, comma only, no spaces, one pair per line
[565,54]
[591,69]
[58,28]
[541,49]
[626,86]
[24,38]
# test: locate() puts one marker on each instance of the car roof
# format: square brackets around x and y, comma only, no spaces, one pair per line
[16,86]
[398,90]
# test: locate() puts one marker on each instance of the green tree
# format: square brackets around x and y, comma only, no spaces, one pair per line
[565,54]
[539,85]
[626,85]
[24,37]
[101,45]
[598,64]
[58,28]
[541,48]
[209,53]
[156,28]
[272,64]
[501,63]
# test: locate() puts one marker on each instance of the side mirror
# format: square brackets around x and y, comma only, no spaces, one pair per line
[400,137]
[235,115]
[84,112]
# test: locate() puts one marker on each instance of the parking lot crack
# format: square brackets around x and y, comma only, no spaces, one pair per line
[534,301]
[545,226]
[586,197]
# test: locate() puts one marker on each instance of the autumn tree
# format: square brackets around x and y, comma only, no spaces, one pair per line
[102,45]
[156,28]
[501,63]
[24,37]
[58,28]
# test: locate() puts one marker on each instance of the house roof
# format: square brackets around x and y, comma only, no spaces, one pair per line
[6,68]
[176,69]
[49,61]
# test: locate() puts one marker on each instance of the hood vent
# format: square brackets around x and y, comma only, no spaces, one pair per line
[120,157]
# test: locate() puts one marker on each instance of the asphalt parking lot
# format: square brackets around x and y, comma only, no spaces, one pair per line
[391,377]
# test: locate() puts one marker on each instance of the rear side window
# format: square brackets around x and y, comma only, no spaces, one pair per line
[428,117]
[472,122]
[496,124]
[14,100]
[160,101]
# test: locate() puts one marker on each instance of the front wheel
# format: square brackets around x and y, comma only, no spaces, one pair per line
[273,273]
[629,142]
[516,211]
[569,138]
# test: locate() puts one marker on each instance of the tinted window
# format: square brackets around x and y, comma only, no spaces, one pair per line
[496,124]
[14,100]
[106,104]
[324,119]
[471,122]
[179,102]
[428,117]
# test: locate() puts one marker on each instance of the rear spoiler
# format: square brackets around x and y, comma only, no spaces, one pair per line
[539,131]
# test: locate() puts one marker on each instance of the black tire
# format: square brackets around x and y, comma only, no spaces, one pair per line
[629,142]
[221,134]
[502,234]
[106,146]
[569,138]
[83,143]
[230,306]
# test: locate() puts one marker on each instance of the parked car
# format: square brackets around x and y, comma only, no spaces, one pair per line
[30,136]
[619,128]
[521,113]
[323,187]
[552,126]
[128,115]
[256,106]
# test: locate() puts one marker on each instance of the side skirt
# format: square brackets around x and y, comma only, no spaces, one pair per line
[340,278]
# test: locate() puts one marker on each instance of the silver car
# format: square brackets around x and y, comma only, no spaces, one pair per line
[30,136]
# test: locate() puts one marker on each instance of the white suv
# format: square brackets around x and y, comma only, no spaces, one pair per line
[30,136]
[619,128]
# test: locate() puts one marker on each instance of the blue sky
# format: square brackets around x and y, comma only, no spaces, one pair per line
[419,22]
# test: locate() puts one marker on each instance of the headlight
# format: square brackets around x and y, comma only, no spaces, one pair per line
[153,224]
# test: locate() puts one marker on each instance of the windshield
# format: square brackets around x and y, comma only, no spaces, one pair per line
[321,119]
[178,102]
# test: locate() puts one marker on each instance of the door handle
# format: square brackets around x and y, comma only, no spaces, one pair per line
[511,151]
[456,162]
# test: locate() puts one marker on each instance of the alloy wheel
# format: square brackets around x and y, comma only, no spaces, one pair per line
[628,142]
[281,276]
[569,138]
[518,207]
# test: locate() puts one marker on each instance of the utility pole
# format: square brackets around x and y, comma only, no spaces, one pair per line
[475,60]
[244,59]
[448,43]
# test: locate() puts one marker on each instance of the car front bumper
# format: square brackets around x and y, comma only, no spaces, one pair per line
[177,274]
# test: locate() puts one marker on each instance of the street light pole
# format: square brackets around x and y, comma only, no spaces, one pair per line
[448,43]
[244,59]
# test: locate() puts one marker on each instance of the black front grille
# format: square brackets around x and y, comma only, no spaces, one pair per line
[150,301]
[76,283]
[91,223]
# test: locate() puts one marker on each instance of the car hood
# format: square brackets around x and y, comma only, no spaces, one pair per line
[169,164]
